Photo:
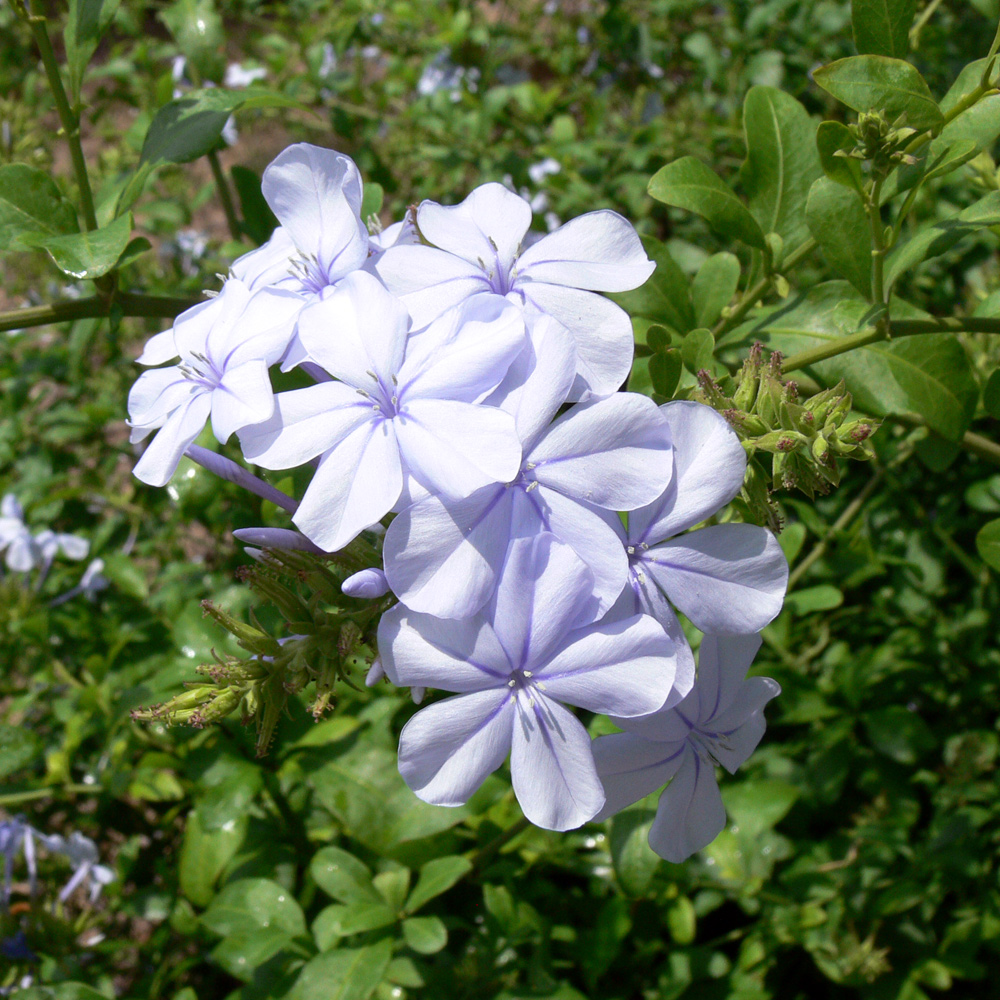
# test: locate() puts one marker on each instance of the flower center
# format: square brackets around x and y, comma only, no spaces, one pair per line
[384,399]
[199,368]
[307,269]
[708,745]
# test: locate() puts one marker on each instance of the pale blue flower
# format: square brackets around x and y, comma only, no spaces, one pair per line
[404,407]
[536,647]
[443,556]
[721,721]
[477,249]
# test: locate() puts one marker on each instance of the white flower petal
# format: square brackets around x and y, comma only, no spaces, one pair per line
[631,768]
[612,452]
[316,195]
[600,251]
[157,393]
[159,461]
[357,332]
[623,668]
[709,466]
[306,422]
[587,531]
[442,557]
[355,485]
[447,750]
[690,814]
[448,654]
[545,590]
[743,724]
[159,349]
[429,281]
[456,448]
[728,579]
[601,331]
[552,767]
[244,397]
[487,227]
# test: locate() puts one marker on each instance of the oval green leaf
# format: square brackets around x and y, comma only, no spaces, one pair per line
[781,164]
[878,83]
[882,27]
[344,877]
[30,202]
[713,288]
[90,254]
[688,183]
[988,544]
[839,224]
[249,904]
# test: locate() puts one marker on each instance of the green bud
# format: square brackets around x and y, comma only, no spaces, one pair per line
[249,638]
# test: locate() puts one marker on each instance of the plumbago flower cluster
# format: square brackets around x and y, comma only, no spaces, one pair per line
[461,385]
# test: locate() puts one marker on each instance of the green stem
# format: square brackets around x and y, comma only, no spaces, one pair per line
[225,196]
[878,246]
[753,294]
[974,443]
[480,858]
[70,121]
[944,324]
[895,328]
[19,798]
[850,512]
[130,304]
[925,15]
[806,358]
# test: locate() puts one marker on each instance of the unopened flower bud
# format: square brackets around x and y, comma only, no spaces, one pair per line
[368,584]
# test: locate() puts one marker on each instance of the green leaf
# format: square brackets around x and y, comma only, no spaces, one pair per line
[935,452]
[665,372]
[988,544]
[197,28]
[697,350]
[123,572]
[991,395]
[342,876]
[61,991]
[88,254]
[758,805]
[251,904]
[191,126]
[688,183]
[928,374]
[681,920]
[19,748]
[781,164]
[242,954]
[878,83]
[204,854]
[87,22]
[371,200]
[713,289]
[393,886]
[839,224]
[809,599]
[882,27]
[258,221]
[338,921]
[831,138]
[899,733]
[436,877]
[665,296]
[936,238]
[343,974]
[30,202]
[425,935]
[634,861]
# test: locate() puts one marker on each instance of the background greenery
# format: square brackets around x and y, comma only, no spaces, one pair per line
[861,859]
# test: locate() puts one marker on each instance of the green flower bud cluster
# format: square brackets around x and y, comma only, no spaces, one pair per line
[803,437]
[879,141]
[329,636]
